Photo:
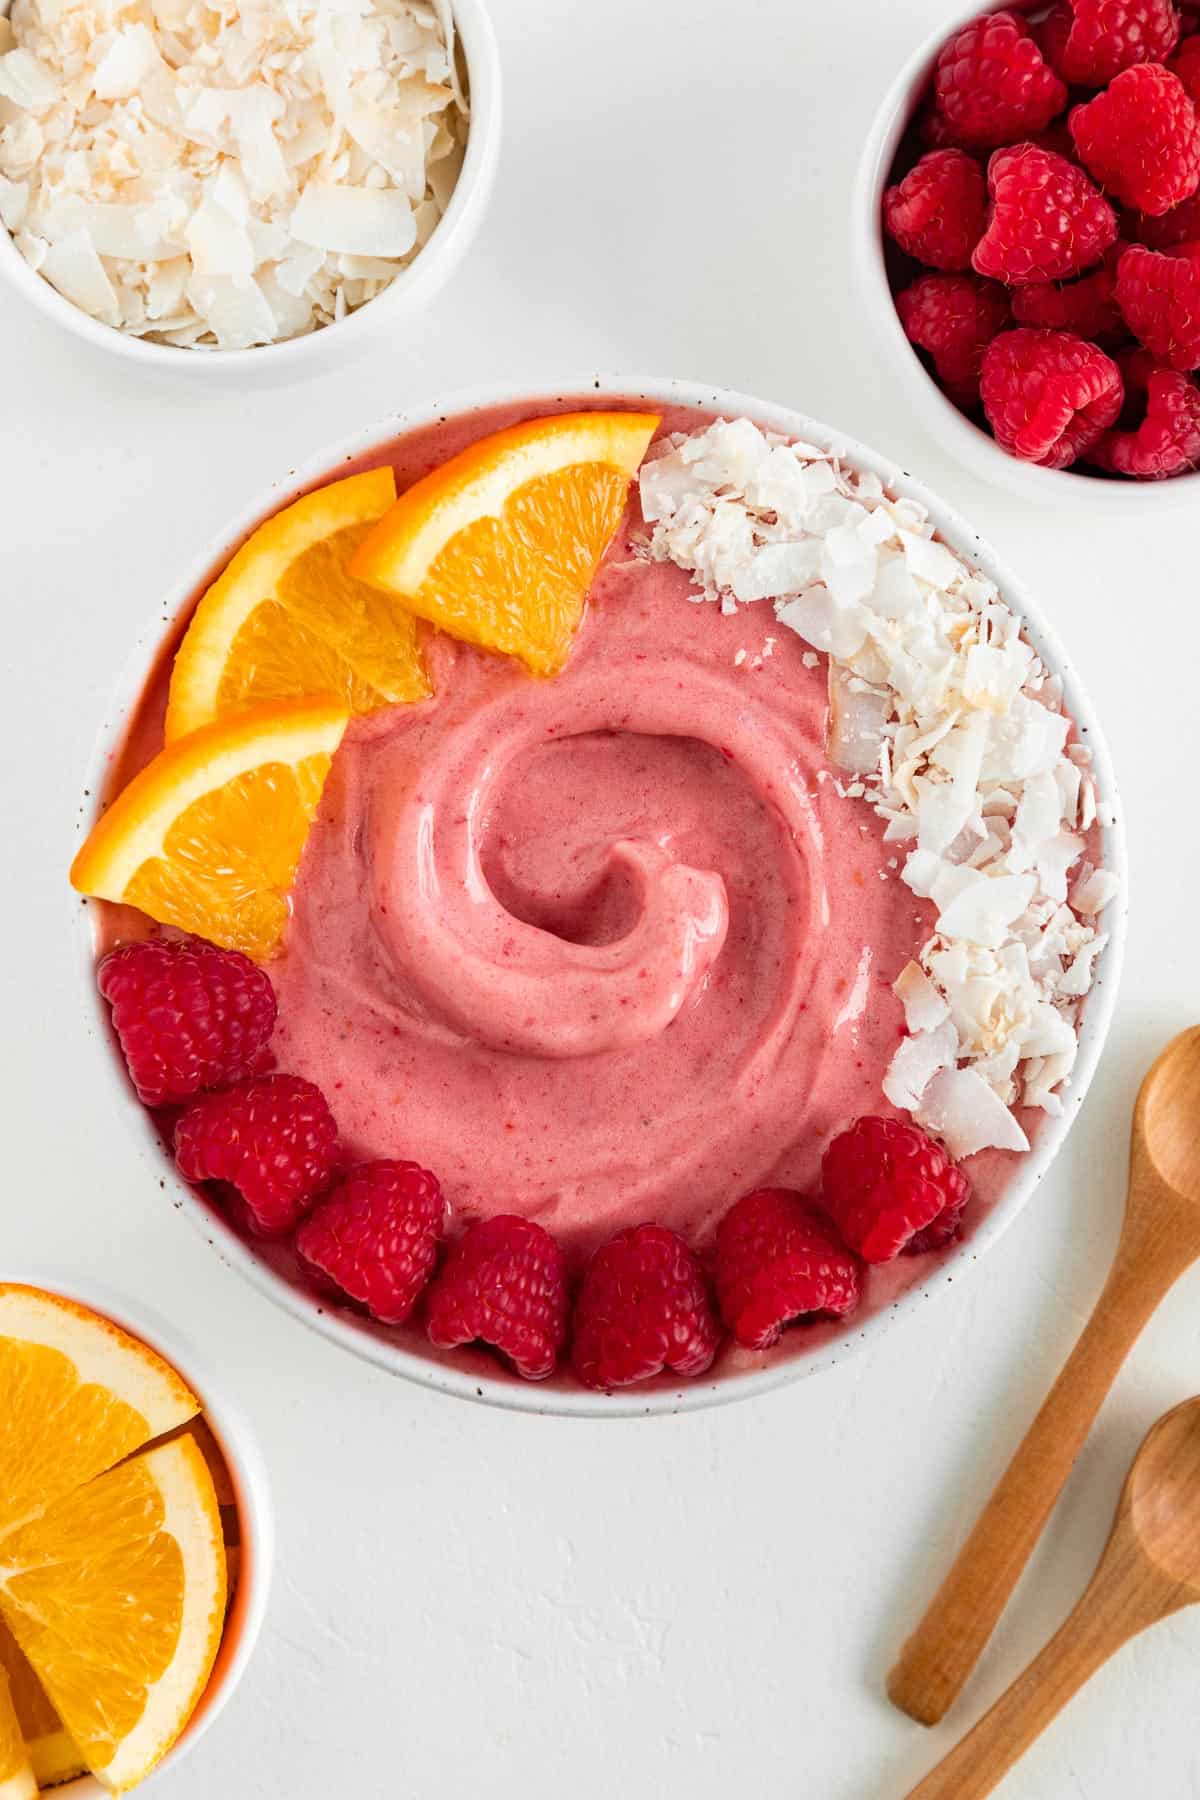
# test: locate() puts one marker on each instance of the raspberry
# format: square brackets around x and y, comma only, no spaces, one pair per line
[1186,65]
[889,1188]
[1088,306]
[1047,394]
[188,1016]
[1159,293]
[505,1282]
[1046,219]
[1087,42]
[1057,139]
[273,1138]
[1167,442]
[1140,138]
[953,318]
[778,1258]
[644,1306]
[1179,226]
[375,1236]
[992,84]
[935,132]
[937,212]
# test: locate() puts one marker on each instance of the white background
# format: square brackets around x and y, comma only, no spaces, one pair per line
[468,1602]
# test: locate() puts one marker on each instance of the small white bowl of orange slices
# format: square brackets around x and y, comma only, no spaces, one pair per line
[135,1545]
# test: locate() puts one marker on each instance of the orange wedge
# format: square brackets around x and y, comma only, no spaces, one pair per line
[285,619]
[53,1754]
[499,545]
[209,835]
[17,1780]
[116,1595]
[76,1395]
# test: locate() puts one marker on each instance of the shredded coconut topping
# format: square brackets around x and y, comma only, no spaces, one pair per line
[954,734]
[226,172]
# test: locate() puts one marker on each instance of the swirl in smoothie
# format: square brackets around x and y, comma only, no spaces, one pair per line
[603,948]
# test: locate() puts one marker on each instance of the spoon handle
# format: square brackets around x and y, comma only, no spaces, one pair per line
[939,1656]
[1118,1605]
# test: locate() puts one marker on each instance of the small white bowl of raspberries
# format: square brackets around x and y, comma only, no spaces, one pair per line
[1028,232]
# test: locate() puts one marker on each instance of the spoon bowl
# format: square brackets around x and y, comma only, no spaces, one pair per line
[1161,1502]
[1167,1120]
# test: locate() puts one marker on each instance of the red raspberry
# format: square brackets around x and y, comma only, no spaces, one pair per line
[889,1188]
[504,1281]
[992,84]
[375,1236]
[644,1306]
[1159,293]
[953,318]
[1052,33]
[1047,394]
[935,132]
[937,212]
[1179,226]
[273,1138]
[1087,306]
[1046,220]
[1140,138]
[1057,140]
[778,1258]
[1186,65]
[1087,42]
[1167,442]
[188,1016]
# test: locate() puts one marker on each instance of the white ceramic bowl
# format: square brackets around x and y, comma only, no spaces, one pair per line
[737,1374]
[957,434]
[256,1518]
[295,359]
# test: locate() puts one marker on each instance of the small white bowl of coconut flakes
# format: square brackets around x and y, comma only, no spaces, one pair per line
[271,182]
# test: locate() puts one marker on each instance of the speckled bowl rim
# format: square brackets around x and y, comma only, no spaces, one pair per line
[726,1383]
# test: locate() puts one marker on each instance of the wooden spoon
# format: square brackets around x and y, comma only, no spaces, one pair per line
[1149,1570]
[1159,1240]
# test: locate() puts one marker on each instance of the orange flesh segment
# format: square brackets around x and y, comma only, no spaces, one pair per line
[52,1752]
[76,1395]
[231,858]
[208,837]
[116,1596]
[285,620]
[499,545]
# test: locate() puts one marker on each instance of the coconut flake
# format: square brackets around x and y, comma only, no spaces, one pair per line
[364,221]
[72,266]
[959,1107]
[26,81]
[916,1061]
[956,732]
[1094,892]
[924,1007]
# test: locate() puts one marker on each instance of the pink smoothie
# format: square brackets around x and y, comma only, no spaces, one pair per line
[604,948]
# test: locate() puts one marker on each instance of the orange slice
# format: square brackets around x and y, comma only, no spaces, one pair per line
[116,1595]
[209,835]
[499,545]
[17,1781]
[53,1754]
[76,1395]
[285,619]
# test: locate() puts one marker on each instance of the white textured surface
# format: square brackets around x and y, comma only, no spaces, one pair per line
[469,1602]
